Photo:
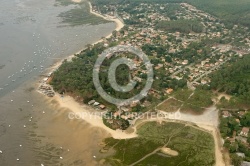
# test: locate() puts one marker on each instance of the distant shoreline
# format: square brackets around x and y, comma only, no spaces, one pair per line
[119,26]
[70,103]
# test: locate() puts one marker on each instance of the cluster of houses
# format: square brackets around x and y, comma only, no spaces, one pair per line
[238,136]
[124,112]
[96,104]
[243,133]
[145,32]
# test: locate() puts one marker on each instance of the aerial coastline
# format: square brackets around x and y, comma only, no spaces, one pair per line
[88,114]
[70,103]
[197,108]
[66,101]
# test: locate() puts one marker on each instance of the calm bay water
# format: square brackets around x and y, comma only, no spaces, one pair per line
[31,39]
[31,131]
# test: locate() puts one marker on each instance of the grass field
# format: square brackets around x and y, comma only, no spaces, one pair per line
[182,94]
[188,108]
[170,105]
[194,147]
[193,102]
[197,102]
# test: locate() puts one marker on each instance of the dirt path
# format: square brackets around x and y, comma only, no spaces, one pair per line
[184,102]
[158,149]
[209,121]
[218,145]
[219,161]
[146,156]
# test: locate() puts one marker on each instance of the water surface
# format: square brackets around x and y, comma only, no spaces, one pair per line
[33,132]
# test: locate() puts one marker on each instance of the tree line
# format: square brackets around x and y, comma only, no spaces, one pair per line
[234,78]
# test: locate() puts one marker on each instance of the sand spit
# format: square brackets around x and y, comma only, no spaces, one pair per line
[88,114]
[76,1]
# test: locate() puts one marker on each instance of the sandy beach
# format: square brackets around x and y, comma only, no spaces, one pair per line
[119,24]
[89,114]
[69,103]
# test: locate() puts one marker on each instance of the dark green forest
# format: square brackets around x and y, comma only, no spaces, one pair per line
[184,26]
[229,11]
[234,78]
[75,77]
